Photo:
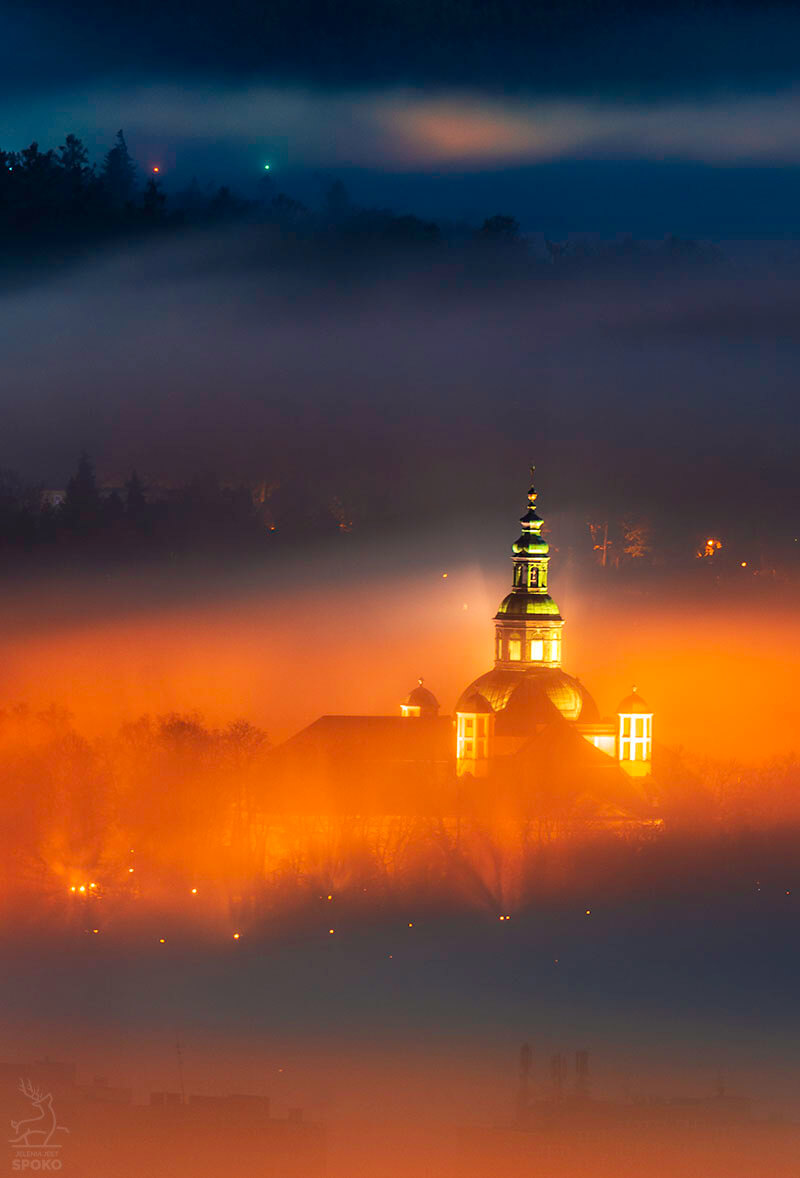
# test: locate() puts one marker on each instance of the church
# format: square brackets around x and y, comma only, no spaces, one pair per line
[524,729]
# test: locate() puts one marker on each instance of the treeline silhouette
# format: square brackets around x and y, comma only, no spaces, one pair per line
[118,520]
[55,201]
[204,514]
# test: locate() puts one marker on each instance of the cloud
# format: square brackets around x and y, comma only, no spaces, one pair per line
[418,130]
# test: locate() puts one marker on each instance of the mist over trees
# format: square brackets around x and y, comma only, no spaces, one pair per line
[168,803]
[55,199]
[127,517]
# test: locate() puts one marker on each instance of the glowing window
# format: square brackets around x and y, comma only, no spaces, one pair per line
[537,649]
[472,737]
[514,649]
[555,653]
[635,737]
[533,576]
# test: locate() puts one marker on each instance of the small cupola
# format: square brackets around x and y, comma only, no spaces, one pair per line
[420,702]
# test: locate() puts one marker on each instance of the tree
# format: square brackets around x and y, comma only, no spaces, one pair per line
[135,501]
[119,173]
[499,228]
[154,201]
[74,158]
[636,539]
[82,503]
[286,208]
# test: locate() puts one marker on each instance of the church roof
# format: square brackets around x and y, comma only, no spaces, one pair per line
[521,603]
[578,779]
[420,697]
[529,697]
[633,703]
[360,764]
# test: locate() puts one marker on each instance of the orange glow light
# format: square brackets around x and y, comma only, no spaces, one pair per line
[236,936]
[330,930]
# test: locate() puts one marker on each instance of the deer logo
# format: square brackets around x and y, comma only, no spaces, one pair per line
[38,1130]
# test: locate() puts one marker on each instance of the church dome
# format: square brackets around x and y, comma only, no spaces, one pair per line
[633,703]
[525,605]
[421,698]
[527,697]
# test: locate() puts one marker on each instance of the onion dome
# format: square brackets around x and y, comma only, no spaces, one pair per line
[528,605]
[423,699]
[531,542]
[633,703]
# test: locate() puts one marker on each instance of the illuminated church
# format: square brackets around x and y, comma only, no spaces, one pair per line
[527,690]
[524,729]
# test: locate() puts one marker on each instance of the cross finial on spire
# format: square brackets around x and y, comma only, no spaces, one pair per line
[533,472]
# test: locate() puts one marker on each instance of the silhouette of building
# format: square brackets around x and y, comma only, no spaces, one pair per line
[103,1131]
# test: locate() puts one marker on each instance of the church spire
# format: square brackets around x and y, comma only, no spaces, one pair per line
[531,543]
[528,624]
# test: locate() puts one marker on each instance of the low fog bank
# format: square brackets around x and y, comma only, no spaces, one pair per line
[281,640]
[410,387]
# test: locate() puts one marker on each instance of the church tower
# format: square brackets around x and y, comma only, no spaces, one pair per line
[528,624]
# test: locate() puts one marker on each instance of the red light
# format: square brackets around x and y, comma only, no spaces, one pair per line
[156,169]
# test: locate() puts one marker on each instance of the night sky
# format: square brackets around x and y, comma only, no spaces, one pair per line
[579,118]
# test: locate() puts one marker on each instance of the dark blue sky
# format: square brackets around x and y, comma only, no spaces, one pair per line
[576,117]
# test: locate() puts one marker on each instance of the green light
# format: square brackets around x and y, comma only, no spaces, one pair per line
[266,167]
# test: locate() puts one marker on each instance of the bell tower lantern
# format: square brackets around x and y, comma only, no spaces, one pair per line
[527,624]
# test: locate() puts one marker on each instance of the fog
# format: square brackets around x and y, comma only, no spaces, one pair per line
[665,950]
[718,663]
[418,390]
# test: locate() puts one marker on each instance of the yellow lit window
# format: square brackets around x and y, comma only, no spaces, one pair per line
[555,653]
[635,738]
[514,650]
[473,736]
[537,650]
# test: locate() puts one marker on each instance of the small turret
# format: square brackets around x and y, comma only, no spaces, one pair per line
[420,702]
[635,739]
